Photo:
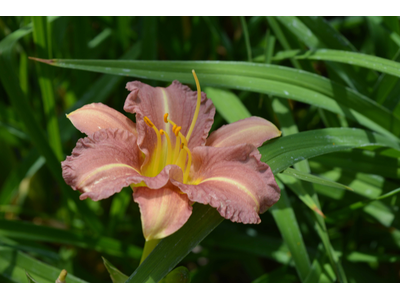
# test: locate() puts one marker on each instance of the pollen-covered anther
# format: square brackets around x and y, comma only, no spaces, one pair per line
[148,122]
[177,129]
[166,117]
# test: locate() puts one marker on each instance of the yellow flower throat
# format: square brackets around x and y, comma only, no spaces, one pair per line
[167,154]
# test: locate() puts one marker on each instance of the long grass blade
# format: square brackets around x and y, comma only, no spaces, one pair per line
[286,151]
[314,179]
[42,38]
[286,220]
[14,265]
[246,38]
[28,231]
[21,106]
[269,79]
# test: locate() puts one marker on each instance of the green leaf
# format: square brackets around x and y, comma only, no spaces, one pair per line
[275,80]
[42,38]
[28,167]
[269,47]
[295,185]
[313,41]
[14,265]
[227,104]
[28,231]
[381,212]
[326,33]
[20,104]
[363,161]
[314,179]
[178,275]
[246,37]
[317,266]
[31,247]
[30,278]
[305,191]
[116,275]
[356,256]
[358,59]
[283,152]
[286,220]
[282,39]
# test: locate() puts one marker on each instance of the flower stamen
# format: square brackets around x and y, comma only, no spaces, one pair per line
[183,139]
[176,150]
[189,163]
[196,112]
[178,156]
[158,147]
[148,122]
[169,154]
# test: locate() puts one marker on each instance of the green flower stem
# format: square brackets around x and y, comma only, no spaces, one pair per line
[148,247]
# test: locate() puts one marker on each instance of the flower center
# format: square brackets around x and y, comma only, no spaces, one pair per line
[167,154]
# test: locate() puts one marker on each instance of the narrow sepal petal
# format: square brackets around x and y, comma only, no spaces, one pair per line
[96,116]
[233,180]
[103,163]
[253,130]
[163,211]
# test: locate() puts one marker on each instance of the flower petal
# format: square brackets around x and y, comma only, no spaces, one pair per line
[178,101]
[93,117]
[103,163]
[233,180]
[253,130]
[163,211]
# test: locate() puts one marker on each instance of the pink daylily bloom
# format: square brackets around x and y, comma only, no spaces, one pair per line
[167,159]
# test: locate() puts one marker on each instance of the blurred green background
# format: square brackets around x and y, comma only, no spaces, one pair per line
[45,228]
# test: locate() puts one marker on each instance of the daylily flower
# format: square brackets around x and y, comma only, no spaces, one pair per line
[167,159]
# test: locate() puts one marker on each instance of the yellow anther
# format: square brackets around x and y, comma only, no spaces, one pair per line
[177,129]
[173,128]
[196,112]
[148,122]
[166,117]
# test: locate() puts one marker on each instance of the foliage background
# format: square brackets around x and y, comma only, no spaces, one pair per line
[45,228]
